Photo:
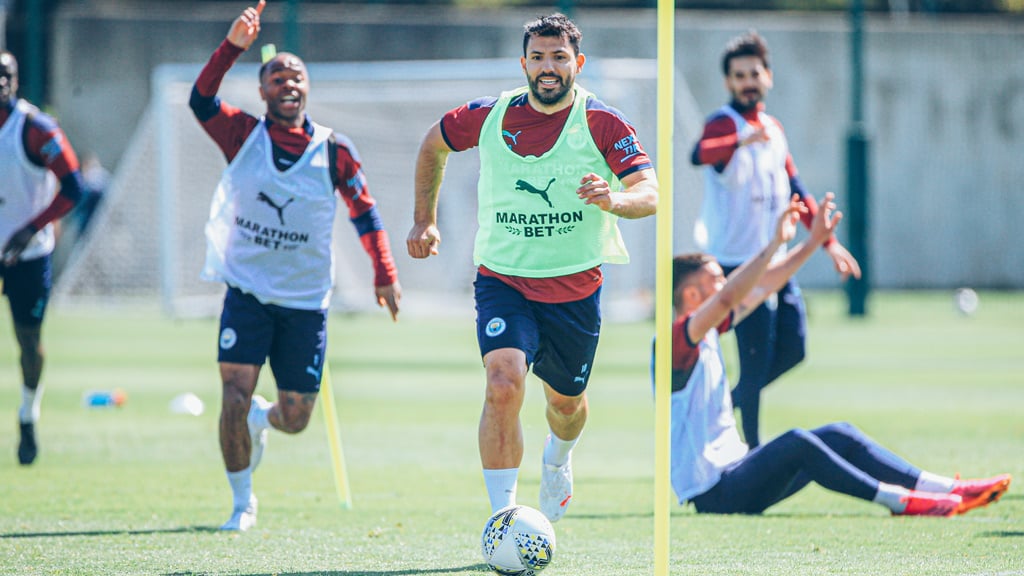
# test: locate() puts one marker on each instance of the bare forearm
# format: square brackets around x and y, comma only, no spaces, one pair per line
[430,164]
[638,200]
[779,273]
[429,173]
[736,294]
[733,296]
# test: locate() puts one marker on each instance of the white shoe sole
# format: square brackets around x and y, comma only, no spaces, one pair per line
[555,496]
[242,520]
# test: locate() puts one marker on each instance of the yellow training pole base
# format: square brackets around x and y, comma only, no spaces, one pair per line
[334,439]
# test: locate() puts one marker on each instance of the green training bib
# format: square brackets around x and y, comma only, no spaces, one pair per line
[531,223]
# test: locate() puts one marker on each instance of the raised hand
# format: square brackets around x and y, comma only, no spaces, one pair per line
[826,220]
[846,265]
[785,229]
[246,27]
[823,228]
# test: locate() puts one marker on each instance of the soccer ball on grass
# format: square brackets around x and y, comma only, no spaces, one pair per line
[518,541]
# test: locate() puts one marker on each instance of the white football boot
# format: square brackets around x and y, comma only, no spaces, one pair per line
[257,436]
[555,489]
[242,520]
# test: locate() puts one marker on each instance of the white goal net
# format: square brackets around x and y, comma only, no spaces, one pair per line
[148,242]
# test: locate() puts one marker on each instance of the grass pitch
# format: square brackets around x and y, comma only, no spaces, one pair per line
[139,490]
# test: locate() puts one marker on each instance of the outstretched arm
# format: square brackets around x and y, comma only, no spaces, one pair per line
[843,261]
[822,227]
[226,124]
[733,296]
[351,185]
[424,237]
[845,264]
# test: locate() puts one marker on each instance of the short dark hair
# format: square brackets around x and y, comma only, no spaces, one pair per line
[749,44]
[685,265]
[557,25]
[264,66]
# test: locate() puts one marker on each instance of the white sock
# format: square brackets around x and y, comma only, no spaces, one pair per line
[30,402]
[259,416]
[556,450]
[501,487]
[929,482]
[892,497]
[241,488]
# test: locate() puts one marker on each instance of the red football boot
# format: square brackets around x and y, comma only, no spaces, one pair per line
[980,492]
[930,504]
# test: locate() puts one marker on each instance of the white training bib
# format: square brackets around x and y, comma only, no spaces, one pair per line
[742,204]
[705,440]
[27,188]
[270,232]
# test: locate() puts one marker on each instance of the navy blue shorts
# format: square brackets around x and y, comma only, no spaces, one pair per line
[295,341]
[559,340]
[27,287]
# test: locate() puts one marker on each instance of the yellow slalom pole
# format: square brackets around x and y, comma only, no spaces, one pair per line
[663,287]
[333,438]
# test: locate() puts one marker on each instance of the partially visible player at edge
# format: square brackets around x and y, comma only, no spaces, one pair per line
[34,157]
[712,468]
[749,175]
[269,239]
[557,168]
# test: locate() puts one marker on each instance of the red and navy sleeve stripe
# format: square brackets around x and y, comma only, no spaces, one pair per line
[46,145]
[461,126]
[617,139]
[717,143]
[363,211]
[227,126]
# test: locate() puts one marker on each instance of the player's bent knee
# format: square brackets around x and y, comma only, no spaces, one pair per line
[235,396]
[506,380]
[504,391]
[295,423]
[565,405]
[293,420]
[32,354]
[797,437]
[238,381]
[295,409]
[841,429]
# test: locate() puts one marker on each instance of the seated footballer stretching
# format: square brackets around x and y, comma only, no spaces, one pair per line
[713,468]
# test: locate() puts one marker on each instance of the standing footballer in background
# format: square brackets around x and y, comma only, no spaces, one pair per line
[749,177]
[270,239]
[34,156]
[552,157]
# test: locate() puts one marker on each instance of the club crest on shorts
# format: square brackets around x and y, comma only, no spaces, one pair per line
[495,327]
[228,338]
